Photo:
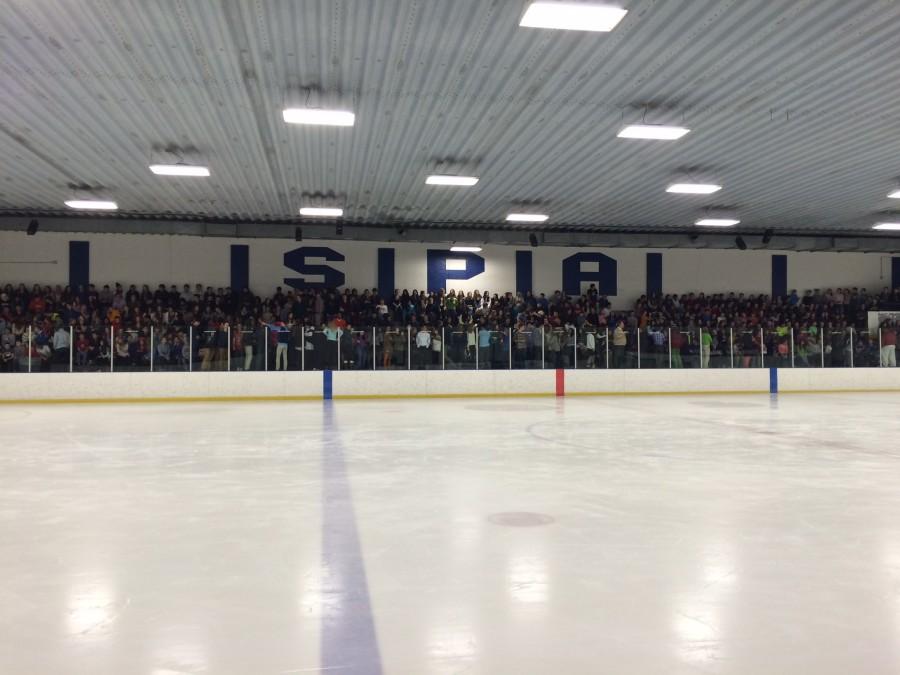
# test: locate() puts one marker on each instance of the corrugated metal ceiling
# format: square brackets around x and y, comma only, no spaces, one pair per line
[792,103]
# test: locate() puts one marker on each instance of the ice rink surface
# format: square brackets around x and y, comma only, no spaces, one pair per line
[659,535]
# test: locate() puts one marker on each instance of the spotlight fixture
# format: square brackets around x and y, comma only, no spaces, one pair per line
[526,217]
[32,227]
[717,222]
[532,238]
[319,212]
[693,188]
[298,234]
[741,244]
[92,204]
[331,118]
[597,18]
[459,181]
[179,170]
[653,132]
[767,235]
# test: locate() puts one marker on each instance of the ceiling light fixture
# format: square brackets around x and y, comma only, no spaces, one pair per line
[572,16]
[654,132]
[465,249]
[332,118]
[92,204]
[886,226]
[461,181]
[693,188]
[895,194]
[179,170]
[526,217]
[321,212]
[717,222]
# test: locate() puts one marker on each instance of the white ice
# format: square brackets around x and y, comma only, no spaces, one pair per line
[658,535]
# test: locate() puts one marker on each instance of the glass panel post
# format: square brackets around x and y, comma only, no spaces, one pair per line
[822,344]
[574,348]
[443,349]
[852,347]
[703,352]
[762,348]
[637,344]
[266,346]
[72,347]
[340,339]
[112,348]
[477,346]
[228,348]
[880,357]
[190,347]
[373,347]
[409,347]
[152,349]
[303,347]
[543,361]
[607,347]
[792,346]
[670,348]
[29,348]
[731,345]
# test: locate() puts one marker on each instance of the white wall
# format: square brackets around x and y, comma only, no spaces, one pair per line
[155,259]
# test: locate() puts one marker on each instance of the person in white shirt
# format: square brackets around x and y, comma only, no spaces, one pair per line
[61,345]
[423,345]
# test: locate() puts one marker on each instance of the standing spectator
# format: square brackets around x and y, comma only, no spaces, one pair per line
[888,345]
[61,345]
[620,340]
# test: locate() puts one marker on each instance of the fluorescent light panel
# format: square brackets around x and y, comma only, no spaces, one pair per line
[333,118]
[463,181]
[179,170]
[894,195]
[321,212]
[465,249]
[693,188]
[572,16]
[653,132]
[526,217]
[93,204]
[886,226]
[717,222]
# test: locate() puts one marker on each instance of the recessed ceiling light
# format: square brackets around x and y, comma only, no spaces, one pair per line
[886,226]
[654,132]
[179,170]
[333,118]
[465,249]
[321,212]
[894,195]
[526,217]
[693,188]
[463,181]
[93,204]
[717,222]
[572,16]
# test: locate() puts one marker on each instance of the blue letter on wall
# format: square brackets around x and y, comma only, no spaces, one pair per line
[297,261]
[606,275]
[438,272]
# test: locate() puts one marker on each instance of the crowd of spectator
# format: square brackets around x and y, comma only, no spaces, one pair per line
[216,329]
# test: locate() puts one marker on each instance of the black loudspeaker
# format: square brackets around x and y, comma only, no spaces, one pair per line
[339,229]
[767,235]
[298,234]
[741,244]
[533,239]
[32,227]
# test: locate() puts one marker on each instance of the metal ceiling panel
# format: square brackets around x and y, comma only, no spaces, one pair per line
[792,106]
